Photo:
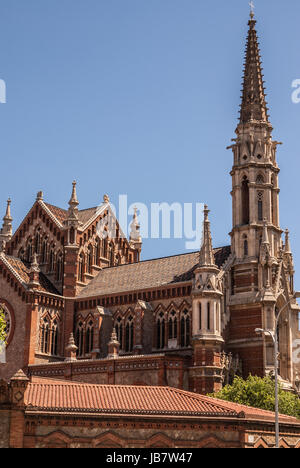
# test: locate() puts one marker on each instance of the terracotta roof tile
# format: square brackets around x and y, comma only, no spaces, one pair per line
[148,274]
[61,215]
[23,272]
[62,396]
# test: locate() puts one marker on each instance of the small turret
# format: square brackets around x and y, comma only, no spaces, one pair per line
[6,231]
[135,235]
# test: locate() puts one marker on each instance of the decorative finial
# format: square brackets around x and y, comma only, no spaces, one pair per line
[287,247]
[40,196]
[252,7]
[106,198]
[35,264]
[206,252]
[135,235]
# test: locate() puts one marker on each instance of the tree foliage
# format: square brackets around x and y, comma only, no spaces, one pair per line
[2,327]
[260,393]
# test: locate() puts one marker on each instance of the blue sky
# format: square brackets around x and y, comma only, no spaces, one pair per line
[140,97]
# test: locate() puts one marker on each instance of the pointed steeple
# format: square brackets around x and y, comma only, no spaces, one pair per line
[206,252]
[73,203]
[6,231]
[254,105]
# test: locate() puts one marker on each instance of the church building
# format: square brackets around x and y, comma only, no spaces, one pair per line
[81,306]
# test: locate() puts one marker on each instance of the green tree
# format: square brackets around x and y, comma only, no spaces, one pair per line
[260,393]
[2,327]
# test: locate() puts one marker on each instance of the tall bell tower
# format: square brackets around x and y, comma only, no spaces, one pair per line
[260,279]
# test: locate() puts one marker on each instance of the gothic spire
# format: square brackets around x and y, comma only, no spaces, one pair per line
[6,230]
[73,203]
[254,105]
[206,252]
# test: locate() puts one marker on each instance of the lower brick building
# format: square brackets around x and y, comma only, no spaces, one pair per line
[45,413]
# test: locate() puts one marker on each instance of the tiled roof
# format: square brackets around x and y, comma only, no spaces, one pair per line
[48,395]
[148,274]
[61,215]
[22,271]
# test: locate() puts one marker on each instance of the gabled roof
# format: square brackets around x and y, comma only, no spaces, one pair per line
[149,274]
[22,272]
[46,395]
[83,215]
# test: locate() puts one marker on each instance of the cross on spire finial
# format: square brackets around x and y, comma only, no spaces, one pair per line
[252,7]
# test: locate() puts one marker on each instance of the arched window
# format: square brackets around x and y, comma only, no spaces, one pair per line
[119,331]
[208,316]
[29,251]
[111,254]
[97,252]
[80,339]
[185,329]
[81,268]
[37,242]
[54,339]
[89,338]
[129,335]
[52,260]
[200,316]
[173,325]
[260,198]
[44,251]
[105,248]
[160,330]
[45,336]
[245,201]
[89,259]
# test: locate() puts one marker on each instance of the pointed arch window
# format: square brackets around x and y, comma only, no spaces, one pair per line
[97,251]
[44,251]
[37,242]
[173,325]
[52,260]
[89,259]
[29,251]
[119,331]
[185,329]
[45,336]
[129,335]
[208,317]
[111,254]
[200,316]
[160,331]
[89,338]
[59,267]
[79,337]
[245,201]
[54,338]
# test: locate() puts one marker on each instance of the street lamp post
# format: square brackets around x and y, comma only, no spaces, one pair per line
[274,337]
